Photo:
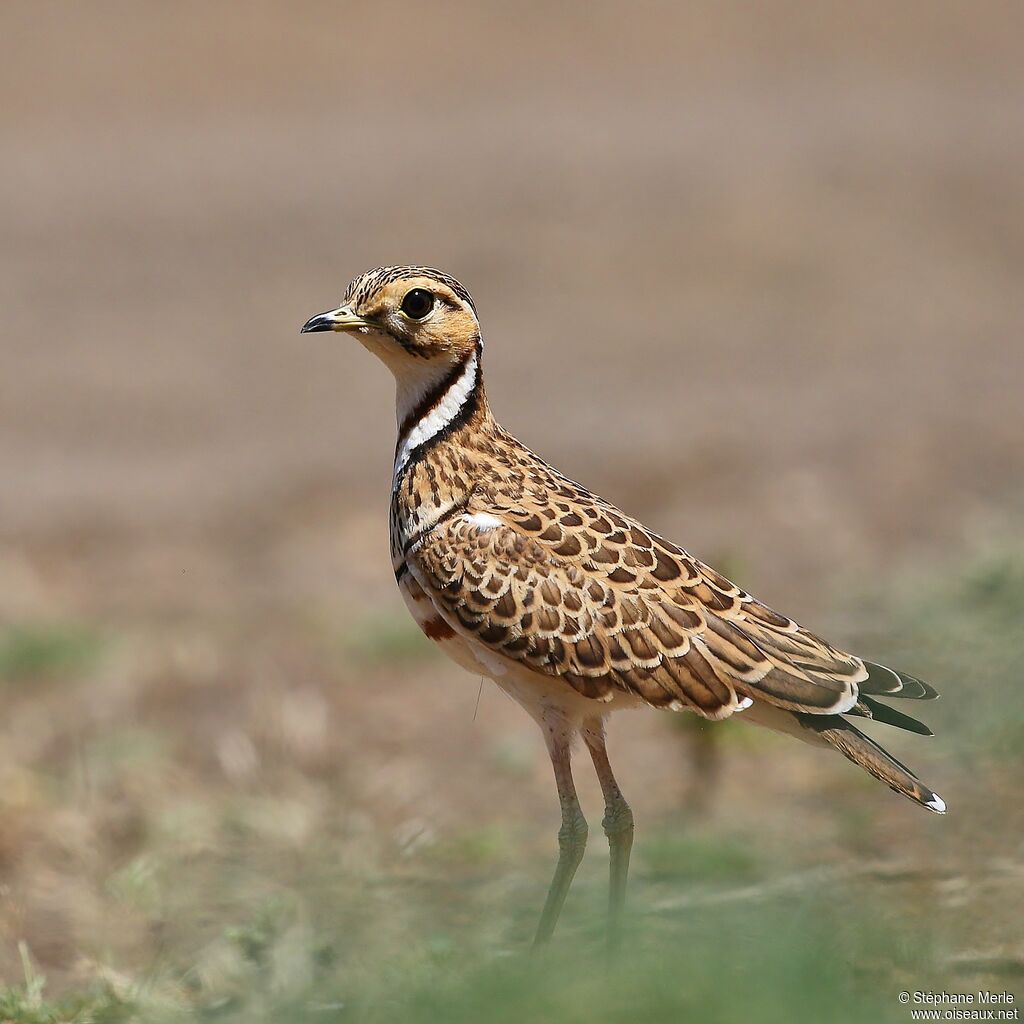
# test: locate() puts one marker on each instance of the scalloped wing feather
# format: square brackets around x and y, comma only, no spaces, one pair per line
[576,590]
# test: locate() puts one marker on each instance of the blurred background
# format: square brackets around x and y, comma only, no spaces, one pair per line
[776,248]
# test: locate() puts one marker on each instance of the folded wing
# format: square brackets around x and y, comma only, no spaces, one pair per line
[620,609]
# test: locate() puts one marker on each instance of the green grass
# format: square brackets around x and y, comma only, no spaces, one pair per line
[473,849]
[27,1004]
[47,650]
[699,856]
[777,961]
[437,942]
[101,1007]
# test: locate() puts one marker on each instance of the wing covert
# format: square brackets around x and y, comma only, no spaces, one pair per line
[598,614]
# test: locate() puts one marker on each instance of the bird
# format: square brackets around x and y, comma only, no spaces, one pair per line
[568,604]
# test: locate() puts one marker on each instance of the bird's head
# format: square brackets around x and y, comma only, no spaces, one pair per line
[418,321]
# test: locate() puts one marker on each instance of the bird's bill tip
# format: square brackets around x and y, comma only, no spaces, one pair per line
[340,319]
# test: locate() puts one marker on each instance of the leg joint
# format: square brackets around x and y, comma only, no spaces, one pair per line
[618,820]
[572,836]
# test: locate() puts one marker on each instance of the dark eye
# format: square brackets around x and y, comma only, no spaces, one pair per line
[417,303]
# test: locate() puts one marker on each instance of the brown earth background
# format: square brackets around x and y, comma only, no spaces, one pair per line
[751,271]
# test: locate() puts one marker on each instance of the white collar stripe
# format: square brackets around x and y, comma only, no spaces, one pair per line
[439,415]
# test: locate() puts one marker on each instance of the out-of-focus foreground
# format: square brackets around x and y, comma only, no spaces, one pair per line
[778,250]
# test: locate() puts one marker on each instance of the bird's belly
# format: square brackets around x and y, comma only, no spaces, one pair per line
[435,628]
[541,695]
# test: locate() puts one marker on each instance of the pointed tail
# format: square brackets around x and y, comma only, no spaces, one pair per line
[865,752]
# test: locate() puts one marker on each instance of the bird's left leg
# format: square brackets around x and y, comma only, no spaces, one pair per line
[572,836]
[618,827]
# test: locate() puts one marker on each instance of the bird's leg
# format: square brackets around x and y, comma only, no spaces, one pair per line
[618,827]
[572,836]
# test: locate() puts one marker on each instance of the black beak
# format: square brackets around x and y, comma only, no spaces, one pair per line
[320,322]
[340,319]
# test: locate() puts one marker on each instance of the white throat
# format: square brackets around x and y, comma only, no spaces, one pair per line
[438,415]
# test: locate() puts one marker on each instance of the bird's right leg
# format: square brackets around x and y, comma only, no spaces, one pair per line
[618,827]
[572,836]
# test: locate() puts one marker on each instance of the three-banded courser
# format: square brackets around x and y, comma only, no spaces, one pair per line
[572,607]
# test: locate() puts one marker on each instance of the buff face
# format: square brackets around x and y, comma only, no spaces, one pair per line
[406,313]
